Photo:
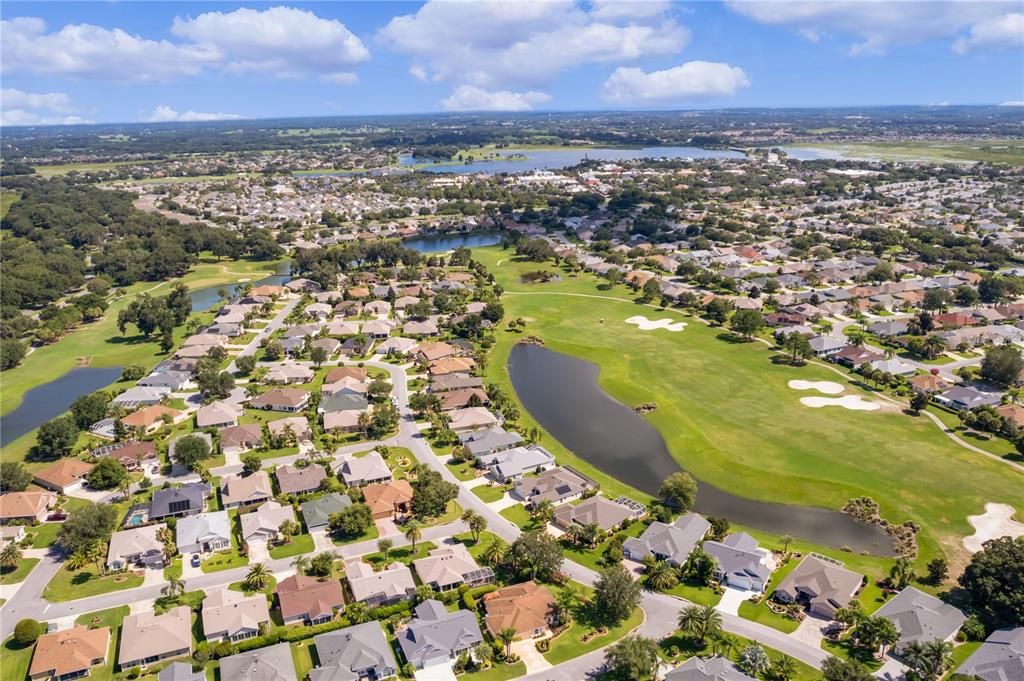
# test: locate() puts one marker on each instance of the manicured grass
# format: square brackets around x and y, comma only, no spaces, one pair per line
[759,612]
[242,587]
[174,570]
[193,599]
[68,586]
[106,618]
[843,648]
[401,554]
[19,573]
[962,651]
[688,647]
[731,404]
[501,672]
[451,514]
[224,560]
[16,661]
[304,657]
[568,645]
[1000,151]
[517,515]
[696,593]
[489,493]
[591,557]
[371,533]
[462,471]
[476,548]
[302,543]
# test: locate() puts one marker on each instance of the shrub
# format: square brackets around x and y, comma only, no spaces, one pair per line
[27,631]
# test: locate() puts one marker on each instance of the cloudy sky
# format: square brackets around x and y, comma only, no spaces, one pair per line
[65,62]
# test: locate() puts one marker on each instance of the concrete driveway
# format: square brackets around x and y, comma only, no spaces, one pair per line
[531,657]
[439,672]
[258,552]
[731,600]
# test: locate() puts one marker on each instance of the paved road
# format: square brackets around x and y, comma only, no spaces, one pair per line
[660,610]
[276,323]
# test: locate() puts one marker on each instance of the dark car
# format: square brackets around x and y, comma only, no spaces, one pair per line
[195,560]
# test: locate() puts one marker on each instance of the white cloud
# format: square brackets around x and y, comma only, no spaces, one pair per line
[876,24]
[526,44]
[471,98]
[283,41]
[87,51]
[1004,31]
[340,78]
[694,79]
[1013,103]
[57,102]
[617,9]
[165,114]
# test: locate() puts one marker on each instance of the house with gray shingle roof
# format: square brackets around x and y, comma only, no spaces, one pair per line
[597,510]
[1000,657]
[673,543]
[710,669]
[436,636]
[316,512]
[356,652]
[821,584]
[513,463]
[178,501]
[273,663]
[738,562]
[489,440]
[921,617]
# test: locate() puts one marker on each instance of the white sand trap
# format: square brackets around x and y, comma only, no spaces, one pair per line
[245,279]
[851,402]
[996,521]
[827,387]
[646,324]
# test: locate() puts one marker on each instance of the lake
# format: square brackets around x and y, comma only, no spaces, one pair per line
[562,393]
[205,298]
[46,401]
[439,243]
[542,159]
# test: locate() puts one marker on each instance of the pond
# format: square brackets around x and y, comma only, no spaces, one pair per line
[439,243]
[541,159]
[562,393]
[205,298]
[52,399]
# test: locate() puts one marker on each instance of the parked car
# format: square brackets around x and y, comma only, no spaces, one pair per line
[195,560]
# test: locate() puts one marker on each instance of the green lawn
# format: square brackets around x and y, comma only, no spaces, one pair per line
[517,515]
[16,661]
[696,593]
[106,618]
[44,536]
[687,648]
[371,533]
[568,644]
[302,543]
[304,656]
[501,672]
[174,570]
[68,586]
[590,557]
[19,573]
[401,554]
[731,404]
[193,599]
[759,612]
[489,493]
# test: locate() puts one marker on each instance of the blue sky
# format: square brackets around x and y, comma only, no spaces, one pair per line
[138,61]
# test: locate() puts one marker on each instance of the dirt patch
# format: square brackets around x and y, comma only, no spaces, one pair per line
[83,361]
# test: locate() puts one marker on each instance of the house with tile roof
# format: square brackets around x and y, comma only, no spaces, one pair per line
[69,653]
[308,599]
[529,608]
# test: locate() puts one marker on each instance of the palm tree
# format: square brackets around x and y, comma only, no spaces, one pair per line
[384,546]
[476,522]
[661,576]
[301,564]
[356,613]
[939,654]
[722,644]
[494,554]
[915,655]
[544,511]
[568,599]
[258,577]
[97,554]
[175,587]
[783,669]
[902,572]
[507,636]
[786,541]
[125,488]
[413,533]
[484,653]
[934,345]
[700,622]
[10,556]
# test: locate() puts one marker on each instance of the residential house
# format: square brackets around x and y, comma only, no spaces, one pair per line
[136,546]
[180,671]
[396,346]
[961,397]
[175,381]
[288,373]
[894,366]
[239,439]
[363,470]
[451,365]
[436,636]
[27,507]
[739,562]
[296,480]
[921,617]
[142,395]
[67,475]
[317,512]
[346,385]
[219,414]
[151,419]
[204,533]
[357,652]
[147,637]
[70,653]
[928,383]
[432,352]
[529,608]
[596,510]
[826,346]
[263,524]
[556,485]
[428,327]
[853,356]
[507,465]
[1000,657]
[132,454]
[176,502]
[273,663]
[820,584]
[281,399]
[448,382]
[392,499]
[238,490]
[231,616]
[392,584]
[471,418]
[296,426]
[448,567]
[489,440]
[309,600]
[669,542]
[12,533]
[708,669]
[461,398]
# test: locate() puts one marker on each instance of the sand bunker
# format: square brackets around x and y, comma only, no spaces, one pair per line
[646,324]
[827,387]
[852,402]
[996,521]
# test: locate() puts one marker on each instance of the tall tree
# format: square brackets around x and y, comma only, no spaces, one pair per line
[616,594]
